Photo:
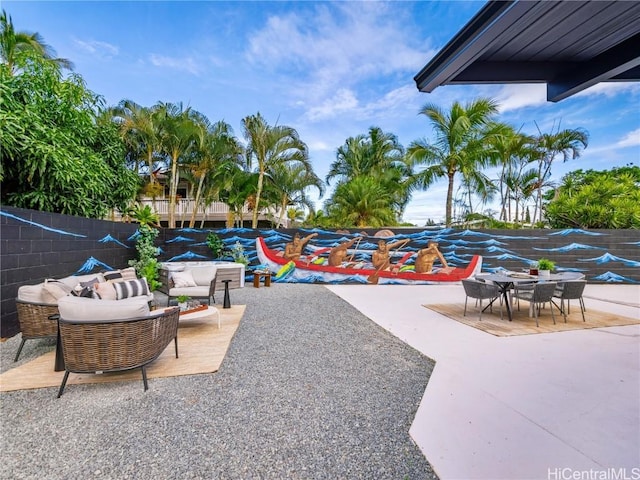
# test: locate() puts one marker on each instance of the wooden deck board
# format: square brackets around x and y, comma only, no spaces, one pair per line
[201,349]
[522,324]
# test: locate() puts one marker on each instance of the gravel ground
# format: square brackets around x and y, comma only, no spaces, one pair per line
[310,389]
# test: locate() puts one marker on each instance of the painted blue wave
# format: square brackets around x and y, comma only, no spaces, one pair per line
[473,233]
[494,249]
[571,269]
[110,239]
[44,227]
[226,231]
[633,243]
[456,247]
[611,277]
[192,230]
[200,244]
[180,239]
[91,263]
[518,237]
[275,236]
[455,258]
[576,231]
[508,256]
[568,248]
[607,257]
[186,256]
[134,236]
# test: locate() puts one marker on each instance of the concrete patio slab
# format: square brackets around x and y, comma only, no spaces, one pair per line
[527,407]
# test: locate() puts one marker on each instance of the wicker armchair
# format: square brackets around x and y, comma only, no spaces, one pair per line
[93,346]
[34,321]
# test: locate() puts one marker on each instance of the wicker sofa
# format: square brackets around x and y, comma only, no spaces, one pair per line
[35,304]
[111,335]
[195,281]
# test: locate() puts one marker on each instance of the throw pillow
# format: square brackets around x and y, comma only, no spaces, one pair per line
[113,276]
[90,283]
[53,290]
[128,273]
[183,279]
[131,288]
[105,291]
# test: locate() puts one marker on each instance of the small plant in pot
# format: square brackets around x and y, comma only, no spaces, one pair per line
[545,266]
[183,301]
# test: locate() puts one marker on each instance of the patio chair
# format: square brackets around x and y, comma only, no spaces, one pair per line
[571,291]
[480,291]
[541,293]
[34,321]
[97,346]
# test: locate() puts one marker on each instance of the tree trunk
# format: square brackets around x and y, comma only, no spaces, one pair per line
[449,200]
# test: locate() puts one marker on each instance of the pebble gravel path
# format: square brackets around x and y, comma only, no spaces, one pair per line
[310,389]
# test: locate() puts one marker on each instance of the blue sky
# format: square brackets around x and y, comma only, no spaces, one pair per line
[329,69]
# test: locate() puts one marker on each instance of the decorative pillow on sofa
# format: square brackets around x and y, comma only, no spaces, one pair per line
[183,279]
[104,291]
[131,288]
[53,290]
[113,276]
[129,273]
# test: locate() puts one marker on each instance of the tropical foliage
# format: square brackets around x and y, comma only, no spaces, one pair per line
[56,153]
[593,199]
[62,151]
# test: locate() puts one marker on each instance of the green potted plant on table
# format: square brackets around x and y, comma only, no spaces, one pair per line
[183,301]
[545,266]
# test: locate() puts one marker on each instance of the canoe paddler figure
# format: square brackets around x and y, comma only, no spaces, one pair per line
[381,257]
[339,252]
[426,257]
[293,249]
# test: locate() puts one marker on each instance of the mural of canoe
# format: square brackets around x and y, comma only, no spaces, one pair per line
[309,272]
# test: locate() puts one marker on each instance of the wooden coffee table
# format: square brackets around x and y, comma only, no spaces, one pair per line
[206,312]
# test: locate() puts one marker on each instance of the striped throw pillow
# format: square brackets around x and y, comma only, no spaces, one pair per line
[131,288]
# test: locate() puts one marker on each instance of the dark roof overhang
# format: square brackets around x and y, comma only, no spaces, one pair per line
[569,45]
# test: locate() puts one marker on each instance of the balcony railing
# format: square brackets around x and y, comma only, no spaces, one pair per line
[217,211]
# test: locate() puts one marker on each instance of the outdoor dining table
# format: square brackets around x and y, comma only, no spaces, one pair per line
[508,280]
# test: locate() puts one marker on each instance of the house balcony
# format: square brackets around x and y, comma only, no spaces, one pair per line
[215,214]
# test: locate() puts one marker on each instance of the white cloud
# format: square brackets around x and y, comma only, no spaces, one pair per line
[186,64]
[97,48]
[631,139]
[610,89]
[513,97]
[343,101]
[344,48]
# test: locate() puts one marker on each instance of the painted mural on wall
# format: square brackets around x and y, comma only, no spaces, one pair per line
[463,252]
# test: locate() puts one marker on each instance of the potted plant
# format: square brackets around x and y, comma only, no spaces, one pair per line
[545,266]
[182,301]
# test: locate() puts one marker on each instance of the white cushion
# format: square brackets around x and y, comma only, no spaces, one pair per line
[31,293]
[202,275]
[183,279]
[202,291]
[81,308]
[53,290]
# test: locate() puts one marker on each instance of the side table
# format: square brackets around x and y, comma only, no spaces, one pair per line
[258,275]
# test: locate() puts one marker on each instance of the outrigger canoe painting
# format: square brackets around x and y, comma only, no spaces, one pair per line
[313,267]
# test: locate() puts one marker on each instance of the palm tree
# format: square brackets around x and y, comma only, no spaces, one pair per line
[178,134]
[140,128]
[361,202]
[568,143]
[13,43]
[380,157]
[270,146]
[461,144]
[215,144]
[290,183]
[511,151]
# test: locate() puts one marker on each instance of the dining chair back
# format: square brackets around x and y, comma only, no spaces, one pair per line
[571,291]
[480,291]
[542,293]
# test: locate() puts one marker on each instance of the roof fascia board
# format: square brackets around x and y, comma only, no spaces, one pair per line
[615,61]
[466,45]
